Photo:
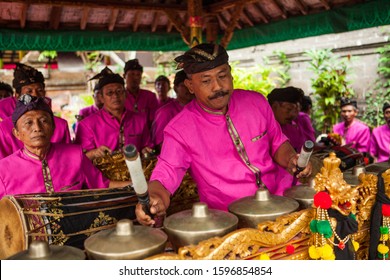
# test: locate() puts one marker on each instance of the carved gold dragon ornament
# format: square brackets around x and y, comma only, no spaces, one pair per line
[290,236]
[332,193]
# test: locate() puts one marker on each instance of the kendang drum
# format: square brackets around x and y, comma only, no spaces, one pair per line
[66,218]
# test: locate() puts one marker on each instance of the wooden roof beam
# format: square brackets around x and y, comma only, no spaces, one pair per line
[109,4]
[23,15]
[155,16]
[180,26]
[283,13]
[246,16]
[227,37]
[325,4]
[224,5]
[84,18]
[232,14]
[260,12]
[301,7]
[169,26]
[136,21]
[55,17]
[222,21]
[113,18]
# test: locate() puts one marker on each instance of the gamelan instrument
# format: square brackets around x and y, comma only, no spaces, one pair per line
[65,218]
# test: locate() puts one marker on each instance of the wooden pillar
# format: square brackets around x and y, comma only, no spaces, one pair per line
[21,54]
[195,21]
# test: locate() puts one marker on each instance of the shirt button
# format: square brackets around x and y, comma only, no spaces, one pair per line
[247,163]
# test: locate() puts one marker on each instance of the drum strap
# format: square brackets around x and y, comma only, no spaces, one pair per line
[47,177]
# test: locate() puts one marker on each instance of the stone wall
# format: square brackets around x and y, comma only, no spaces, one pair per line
[361,45]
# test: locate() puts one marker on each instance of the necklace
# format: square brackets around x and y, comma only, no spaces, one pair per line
[342,242]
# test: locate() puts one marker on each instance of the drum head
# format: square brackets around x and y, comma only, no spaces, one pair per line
[12,238]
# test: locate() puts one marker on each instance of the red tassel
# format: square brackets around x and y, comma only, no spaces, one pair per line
[386,210]
[322,200]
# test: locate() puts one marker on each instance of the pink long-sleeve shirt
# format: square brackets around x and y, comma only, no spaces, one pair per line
[163,115]
[380,143]
[202,142]
[7,107]
[102,128]
[69,168]
[10,144]
[299,131]
[145,103]
[85,112]
[358,135]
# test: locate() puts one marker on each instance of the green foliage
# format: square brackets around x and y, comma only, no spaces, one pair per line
[50,55]
[375,98]
[329,84]
[261,78]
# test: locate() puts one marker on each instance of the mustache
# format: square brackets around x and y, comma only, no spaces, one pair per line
[220,93]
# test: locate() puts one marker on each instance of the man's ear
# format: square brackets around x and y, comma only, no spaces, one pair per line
[188,84]
[15,132]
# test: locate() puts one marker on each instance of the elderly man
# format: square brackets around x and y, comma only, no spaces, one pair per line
[5,90]
[352,130]
[112,127]
[380,138]
[27,80]
[42,166]
[137,99]
[168,111]
[228,139]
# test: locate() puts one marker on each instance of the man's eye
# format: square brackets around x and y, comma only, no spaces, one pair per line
[205,81]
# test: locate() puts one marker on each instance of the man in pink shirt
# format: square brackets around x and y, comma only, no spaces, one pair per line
[42,166]
[98,104]
[137,99]
[168,111]
[112,127]
[5,90]
[162,86]
[228,139]
[27,80]
[285,103]
[352,130]
[380,138]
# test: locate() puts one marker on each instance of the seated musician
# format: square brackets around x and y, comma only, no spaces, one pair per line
[353,131]
[85,112]
[162,86]
[165,113]
[27,80]
[112,127]
[380,138]
[42,166]
[228,139]
[5,91]
[285,103]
